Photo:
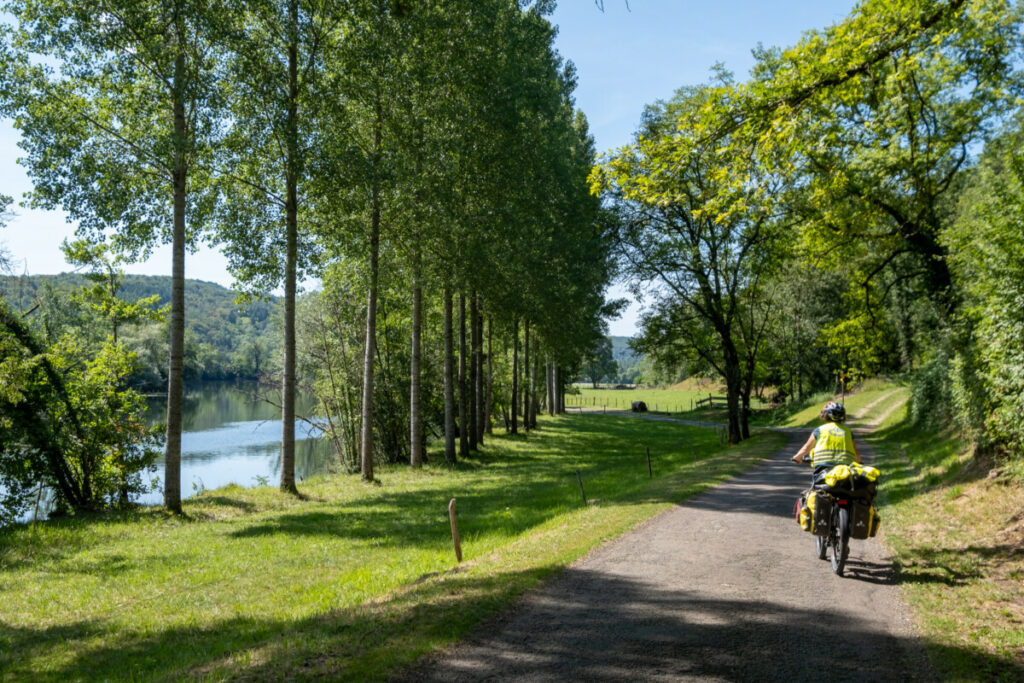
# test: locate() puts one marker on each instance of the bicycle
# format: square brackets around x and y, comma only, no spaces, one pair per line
[833,521]
[836,542]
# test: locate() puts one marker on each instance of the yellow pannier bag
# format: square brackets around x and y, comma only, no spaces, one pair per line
[804,516]
[814,512]
[838,475]
[867,471]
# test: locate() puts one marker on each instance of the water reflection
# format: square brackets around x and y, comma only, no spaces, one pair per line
[231,435]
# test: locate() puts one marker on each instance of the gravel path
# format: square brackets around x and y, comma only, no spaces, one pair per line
[724,587]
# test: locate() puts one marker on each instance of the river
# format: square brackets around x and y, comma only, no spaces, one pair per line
[230,436]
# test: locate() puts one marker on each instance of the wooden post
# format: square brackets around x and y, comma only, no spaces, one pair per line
[650,472]
[579,478]
[39,497]
[455,531]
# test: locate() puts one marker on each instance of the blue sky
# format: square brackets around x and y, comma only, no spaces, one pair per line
[625,58]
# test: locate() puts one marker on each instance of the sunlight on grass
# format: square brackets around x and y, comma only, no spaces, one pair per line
[358,578]
[956,536]
[675,401]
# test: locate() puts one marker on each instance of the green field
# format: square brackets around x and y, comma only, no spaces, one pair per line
[674,401]
[359,580]
[356,580]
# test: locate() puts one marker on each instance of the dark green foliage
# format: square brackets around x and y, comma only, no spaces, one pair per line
[224,340]
[68,422]
[986,374]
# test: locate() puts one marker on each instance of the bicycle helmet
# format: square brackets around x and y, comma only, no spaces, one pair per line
[834,412]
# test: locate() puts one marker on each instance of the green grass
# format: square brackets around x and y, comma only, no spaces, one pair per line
[357,580]
[871,401]
[957,539]
[675,401]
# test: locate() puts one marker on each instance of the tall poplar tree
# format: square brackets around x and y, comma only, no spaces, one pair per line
[119,134]
[275,85]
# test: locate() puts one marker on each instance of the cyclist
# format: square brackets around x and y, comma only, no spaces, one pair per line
[832,442]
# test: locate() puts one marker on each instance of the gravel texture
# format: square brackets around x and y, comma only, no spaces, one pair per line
[723,587]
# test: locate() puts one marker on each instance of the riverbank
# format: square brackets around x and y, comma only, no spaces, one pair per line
[353,580]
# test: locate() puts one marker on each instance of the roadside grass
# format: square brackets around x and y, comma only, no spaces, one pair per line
[957,538]
[870,400]
[353,581]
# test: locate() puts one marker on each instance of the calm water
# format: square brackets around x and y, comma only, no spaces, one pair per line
[231,436]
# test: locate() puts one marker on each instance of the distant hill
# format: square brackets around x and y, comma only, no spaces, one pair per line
[228,340]
[207,304]
[621,351]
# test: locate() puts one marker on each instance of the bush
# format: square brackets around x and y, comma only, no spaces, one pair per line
[68,421]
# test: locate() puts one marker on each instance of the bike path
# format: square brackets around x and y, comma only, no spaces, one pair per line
[723,587]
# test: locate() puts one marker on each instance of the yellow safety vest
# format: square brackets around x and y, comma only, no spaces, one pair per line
[834,444]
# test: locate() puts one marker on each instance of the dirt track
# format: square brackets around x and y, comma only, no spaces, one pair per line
[723,587]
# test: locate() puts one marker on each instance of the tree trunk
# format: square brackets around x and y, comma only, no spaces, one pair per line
[549,376]
[533,385]
[732,390]
[515,376]
[175,383]
[479,360]
[366,440]
[474,404]
[526,376]
[489,398]
[463,407]
[745,413]
[560,376]
[415,416]
[449,380]
[291,254]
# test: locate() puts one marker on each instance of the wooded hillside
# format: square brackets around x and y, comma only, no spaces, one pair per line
[224,339]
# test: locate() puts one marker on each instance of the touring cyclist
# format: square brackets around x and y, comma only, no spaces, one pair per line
[832,442]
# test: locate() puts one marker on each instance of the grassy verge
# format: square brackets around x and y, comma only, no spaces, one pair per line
[355,581]
[958,544]
[867,403]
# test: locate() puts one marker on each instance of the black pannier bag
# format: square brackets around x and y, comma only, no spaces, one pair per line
[864,488]
[820,506]
[864,519]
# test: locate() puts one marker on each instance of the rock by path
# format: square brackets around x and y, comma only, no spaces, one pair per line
[724,587]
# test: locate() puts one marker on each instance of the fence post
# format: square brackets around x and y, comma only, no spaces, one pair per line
[455,531]
[650,472]
[583,495]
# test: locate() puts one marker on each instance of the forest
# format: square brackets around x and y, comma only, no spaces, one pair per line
[849,210]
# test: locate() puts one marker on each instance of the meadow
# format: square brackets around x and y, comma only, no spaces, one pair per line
[352,578]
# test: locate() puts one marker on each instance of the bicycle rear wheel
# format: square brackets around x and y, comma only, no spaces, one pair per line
[840,537]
